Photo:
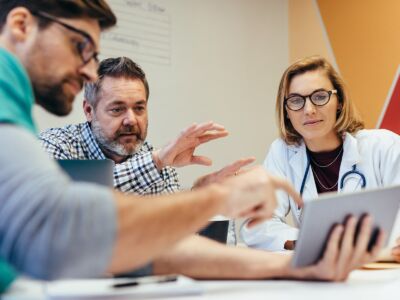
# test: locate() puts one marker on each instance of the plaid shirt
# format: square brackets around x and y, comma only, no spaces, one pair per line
[138,174]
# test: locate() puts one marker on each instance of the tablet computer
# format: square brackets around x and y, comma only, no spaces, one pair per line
[94,171]
[386,254]
[319,217]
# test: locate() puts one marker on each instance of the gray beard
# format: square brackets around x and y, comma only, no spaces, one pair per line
[112,146]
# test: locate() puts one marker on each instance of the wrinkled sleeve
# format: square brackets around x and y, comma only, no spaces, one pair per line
[272,234]
[139,175]
[50,227]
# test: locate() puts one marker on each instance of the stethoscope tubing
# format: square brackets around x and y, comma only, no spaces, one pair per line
[342,180]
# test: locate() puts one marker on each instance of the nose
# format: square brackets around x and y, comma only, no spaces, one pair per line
[130,118]
[89,71]
[309,107]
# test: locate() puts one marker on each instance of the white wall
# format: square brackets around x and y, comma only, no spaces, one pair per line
[226,59]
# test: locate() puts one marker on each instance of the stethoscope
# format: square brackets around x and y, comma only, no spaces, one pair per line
[353,171]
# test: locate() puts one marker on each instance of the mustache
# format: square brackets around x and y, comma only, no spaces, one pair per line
[129,130]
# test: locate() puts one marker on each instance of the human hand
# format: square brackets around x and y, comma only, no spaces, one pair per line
[218,176]
[396,251]
[289,245]
[179,152]
[251,194]
[343,254]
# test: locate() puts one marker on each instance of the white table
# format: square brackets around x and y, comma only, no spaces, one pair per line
[376,285]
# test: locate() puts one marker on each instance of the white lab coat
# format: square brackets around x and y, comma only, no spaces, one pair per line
[376,154]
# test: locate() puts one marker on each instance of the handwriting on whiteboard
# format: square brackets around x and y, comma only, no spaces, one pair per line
[143,32]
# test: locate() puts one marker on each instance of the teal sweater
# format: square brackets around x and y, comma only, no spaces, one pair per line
[16,94]
[16,101]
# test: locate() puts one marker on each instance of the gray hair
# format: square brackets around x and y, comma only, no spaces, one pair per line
[116,68]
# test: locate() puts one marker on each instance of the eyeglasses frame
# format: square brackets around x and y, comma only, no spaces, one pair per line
[88,38]
[330,93]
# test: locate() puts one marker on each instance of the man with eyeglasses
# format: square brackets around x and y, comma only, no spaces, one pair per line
[51,227]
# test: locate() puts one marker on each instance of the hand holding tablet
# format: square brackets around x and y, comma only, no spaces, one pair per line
[321,219]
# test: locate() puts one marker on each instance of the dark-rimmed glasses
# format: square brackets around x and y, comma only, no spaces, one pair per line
[319,98]
[85,48]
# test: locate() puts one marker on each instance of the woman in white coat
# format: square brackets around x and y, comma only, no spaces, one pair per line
[321,139]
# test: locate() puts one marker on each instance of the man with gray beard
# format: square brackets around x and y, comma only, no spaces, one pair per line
[117,120]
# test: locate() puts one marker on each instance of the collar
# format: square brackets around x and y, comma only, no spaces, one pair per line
[298,154]
[16,93]
[91,143]
[351,155]
[298,158]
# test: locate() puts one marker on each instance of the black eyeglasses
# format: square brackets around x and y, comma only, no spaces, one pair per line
[85,48]
[319,98]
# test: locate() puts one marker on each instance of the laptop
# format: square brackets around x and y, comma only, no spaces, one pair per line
[94,171]
[101,172]
[321,215]
[216,230]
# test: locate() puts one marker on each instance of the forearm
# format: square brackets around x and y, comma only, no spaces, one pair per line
[202,258]
[146,227]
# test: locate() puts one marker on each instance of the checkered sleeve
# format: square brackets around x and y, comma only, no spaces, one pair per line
[139,175]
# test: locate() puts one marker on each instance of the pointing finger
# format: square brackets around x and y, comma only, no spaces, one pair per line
[284,185]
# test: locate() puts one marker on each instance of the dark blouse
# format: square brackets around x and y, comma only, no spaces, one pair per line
[325,167]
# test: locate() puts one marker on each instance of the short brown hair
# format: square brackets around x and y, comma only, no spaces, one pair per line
[348,119]
[119,67]
[94,9]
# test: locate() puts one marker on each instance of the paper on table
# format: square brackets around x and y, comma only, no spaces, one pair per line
[102,288]
[381,266]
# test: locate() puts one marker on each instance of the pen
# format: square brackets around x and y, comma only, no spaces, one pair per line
[146,280]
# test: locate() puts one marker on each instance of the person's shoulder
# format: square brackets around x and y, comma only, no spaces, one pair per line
[280,145]
[279,150]
[15,132]
[70,132]
[377,135]
[18,141]
[376,138]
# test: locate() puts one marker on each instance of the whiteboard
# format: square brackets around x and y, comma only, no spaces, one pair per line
[205,60]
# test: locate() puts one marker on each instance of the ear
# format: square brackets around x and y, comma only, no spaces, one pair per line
[88,110]
[19,26]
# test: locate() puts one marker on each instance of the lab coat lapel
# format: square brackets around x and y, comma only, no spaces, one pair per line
[351,157]
[298,163]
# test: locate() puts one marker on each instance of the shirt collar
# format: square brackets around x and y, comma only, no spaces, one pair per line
[92,146]
[351,155]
